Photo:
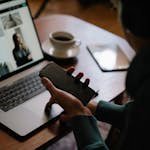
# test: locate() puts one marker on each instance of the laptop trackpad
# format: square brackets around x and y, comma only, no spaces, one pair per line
[30,115]
[38,103]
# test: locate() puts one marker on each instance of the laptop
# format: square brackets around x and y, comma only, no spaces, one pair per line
[22,95]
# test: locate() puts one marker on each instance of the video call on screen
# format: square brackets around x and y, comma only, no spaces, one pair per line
[19,45]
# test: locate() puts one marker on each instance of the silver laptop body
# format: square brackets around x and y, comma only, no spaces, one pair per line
[16,25]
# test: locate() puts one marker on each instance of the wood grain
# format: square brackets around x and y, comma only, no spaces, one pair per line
[100,14]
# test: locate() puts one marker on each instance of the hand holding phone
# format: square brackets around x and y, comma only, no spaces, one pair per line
[64,81]
[72,106]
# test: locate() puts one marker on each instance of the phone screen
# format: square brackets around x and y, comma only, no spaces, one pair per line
[109,57]
[68,83]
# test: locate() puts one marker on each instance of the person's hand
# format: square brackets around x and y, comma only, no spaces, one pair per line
[78,76]
[71,105]
[69,72]
[92,105]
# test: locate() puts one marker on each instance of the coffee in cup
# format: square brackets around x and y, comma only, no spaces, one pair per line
[62,40]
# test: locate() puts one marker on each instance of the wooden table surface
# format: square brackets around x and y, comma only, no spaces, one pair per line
[110,84]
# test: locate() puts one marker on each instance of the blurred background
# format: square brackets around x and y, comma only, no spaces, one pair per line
[99,12]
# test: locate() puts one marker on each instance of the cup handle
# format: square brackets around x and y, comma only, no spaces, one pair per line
[77,43]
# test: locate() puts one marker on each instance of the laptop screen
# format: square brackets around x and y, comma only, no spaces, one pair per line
[19,44]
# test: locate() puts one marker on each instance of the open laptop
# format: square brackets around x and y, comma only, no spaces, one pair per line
[22,96]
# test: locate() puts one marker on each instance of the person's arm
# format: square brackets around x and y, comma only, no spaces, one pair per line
[28,53]
[16,58]
[110,113]
[104,111]
[87,134]
[83,123]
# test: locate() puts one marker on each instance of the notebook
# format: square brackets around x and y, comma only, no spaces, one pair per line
[22,96]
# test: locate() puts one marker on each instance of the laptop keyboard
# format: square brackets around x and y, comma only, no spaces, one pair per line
[20,91]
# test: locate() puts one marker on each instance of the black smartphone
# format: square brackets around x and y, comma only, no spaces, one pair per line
[64,81]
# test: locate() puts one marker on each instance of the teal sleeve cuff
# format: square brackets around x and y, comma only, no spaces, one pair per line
[87,134]
[111,113]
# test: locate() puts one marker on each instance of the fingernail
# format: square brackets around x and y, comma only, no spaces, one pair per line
[96,94]
[79,76]
[70,71]
[86,83]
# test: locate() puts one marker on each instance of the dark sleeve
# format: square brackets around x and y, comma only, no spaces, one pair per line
[87,134]
[111,113]
[14,54]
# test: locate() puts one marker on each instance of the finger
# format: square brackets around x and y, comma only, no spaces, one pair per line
[86,82]
[92,105]
[64,117]
[70,70]
[48,108]
[49,85]
[51,101]
[79,76]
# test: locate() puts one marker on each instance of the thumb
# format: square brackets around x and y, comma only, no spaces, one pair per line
[65,117]
[49,85]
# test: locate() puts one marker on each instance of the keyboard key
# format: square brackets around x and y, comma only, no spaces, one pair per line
[21,91]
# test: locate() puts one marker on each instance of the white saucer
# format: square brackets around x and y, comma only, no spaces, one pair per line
[60,54]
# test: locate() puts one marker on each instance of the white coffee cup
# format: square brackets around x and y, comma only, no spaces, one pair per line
[63,41]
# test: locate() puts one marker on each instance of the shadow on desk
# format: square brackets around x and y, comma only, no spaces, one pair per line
[62,62]
[68,142]
[24,138]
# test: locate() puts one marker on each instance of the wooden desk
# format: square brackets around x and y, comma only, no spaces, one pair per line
[110,84]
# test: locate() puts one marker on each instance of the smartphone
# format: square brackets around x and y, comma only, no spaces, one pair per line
[109,57]
[67,82]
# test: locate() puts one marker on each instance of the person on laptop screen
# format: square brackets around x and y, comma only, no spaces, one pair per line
[19,43]
[21,53]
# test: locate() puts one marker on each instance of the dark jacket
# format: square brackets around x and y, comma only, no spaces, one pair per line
[134,126]
[132,119]
[21,56]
